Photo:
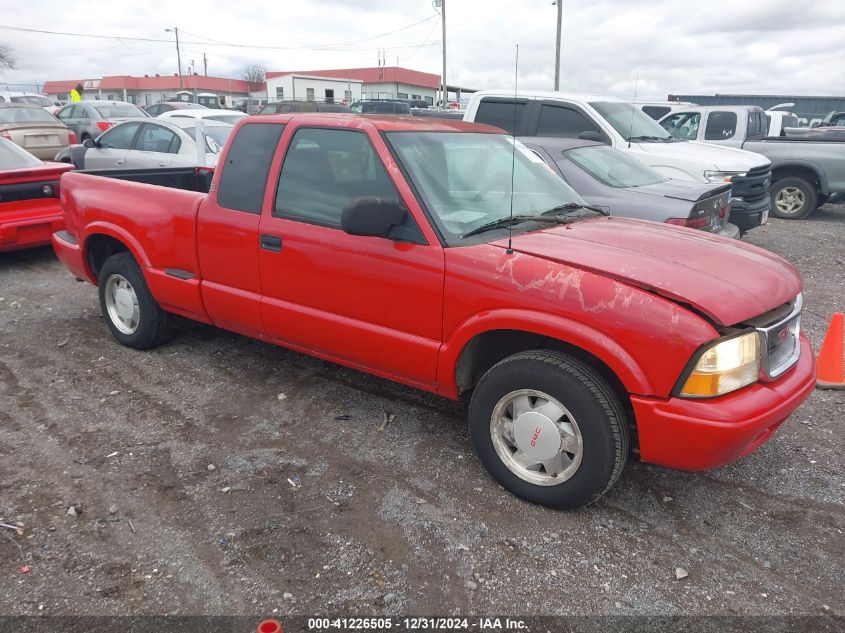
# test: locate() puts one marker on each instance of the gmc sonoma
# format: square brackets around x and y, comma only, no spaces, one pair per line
[442,255]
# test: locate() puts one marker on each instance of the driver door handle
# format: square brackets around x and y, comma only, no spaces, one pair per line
[271,243]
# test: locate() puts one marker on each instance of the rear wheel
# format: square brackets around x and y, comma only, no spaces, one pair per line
[549,429]
[793,198]
[130,311]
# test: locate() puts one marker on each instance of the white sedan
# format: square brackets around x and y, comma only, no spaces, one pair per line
[144,143]
[209,114]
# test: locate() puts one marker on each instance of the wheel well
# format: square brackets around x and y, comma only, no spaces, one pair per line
[488,348]
[99,248]
[805,173]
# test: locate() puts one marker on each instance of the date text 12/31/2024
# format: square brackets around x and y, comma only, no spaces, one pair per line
[416,624]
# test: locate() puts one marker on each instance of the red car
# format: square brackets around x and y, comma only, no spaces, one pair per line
[444,255]
[30,211]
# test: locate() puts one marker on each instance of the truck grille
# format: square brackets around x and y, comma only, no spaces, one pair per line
[753,185]
[780,346]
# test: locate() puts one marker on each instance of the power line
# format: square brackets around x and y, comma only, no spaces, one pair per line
[211,42]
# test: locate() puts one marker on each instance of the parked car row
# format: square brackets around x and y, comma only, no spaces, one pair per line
[655,158]
[625,127]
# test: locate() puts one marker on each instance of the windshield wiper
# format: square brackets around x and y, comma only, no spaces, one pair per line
[573,206]
[511,220]
[645,137]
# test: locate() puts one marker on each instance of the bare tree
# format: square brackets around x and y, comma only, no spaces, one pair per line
[7,58]
[254,75]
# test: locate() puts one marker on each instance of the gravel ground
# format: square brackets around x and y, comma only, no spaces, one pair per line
[180,464]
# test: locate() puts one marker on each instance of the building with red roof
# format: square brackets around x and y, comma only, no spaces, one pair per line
[148,89]
[375,82]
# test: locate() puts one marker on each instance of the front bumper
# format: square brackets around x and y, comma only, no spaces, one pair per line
[701,434]
[29,223]
[748,215]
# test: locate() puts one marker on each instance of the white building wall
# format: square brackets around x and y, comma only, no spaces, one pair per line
[393,90]
[302,88]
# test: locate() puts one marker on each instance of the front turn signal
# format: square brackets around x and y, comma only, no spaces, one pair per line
[726,366]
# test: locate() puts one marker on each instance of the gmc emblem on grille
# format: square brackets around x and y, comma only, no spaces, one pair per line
[781,335]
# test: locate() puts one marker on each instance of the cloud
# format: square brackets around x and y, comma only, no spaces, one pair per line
[772,47]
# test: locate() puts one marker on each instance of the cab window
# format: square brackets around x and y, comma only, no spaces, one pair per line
[325,170]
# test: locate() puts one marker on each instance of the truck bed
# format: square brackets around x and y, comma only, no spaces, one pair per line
[154,213]
[188,178]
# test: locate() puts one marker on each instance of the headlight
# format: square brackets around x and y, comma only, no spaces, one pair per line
[724,367]
[722,176]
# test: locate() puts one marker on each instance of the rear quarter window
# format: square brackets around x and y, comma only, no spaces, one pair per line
[721,126]
[244,176]
[501,113]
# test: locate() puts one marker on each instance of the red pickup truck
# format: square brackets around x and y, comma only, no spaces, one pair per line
[443,255]
[30,211]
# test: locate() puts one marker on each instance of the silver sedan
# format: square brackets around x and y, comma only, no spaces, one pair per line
[149,143]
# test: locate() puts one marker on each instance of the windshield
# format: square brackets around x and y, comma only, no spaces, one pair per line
[26,115]
[612,167]
[43,102]
[119,110]
[215,136]
[465,179]
[14,157]
[631,122]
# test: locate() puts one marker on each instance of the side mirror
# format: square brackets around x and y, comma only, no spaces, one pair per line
[375,217]
[590,135]
[89,143]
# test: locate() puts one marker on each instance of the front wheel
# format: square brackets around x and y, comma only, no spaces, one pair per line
[549,429]
[793,198]
[130,311]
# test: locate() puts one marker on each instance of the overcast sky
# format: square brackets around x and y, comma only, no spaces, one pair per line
[756,47]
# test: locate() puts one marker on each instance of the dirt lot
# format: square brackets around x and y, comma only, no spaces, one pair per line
[178,463]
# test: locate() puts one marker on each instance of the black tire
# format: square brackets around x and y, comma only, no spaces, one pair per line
[153,323]
[590,400]
[807,190]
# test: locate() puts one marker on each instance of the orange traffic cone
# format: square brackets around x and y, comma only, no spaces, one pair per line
[831,362]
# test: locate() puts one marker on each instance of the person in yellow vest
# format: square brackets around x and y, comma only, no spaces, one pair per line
[76,93]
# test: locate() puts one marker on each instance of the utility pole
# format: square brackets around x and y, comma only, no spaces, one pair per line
[178,53]
[441,4]
[559,4]
[205,65]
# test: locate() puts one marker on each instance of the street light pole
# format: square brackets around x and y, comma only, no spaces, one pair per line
[178,53]
[559,4]
[441,4]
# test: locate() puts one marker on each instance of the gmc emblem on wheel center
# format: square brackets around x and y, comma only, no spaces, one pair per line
[535,436]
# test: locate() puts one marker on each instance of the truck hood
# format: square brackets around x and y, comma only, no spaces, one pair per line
[721,158]
[725,279]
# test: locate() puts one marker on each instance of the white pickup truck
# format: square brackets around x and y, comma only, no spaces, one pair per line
[625,127]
